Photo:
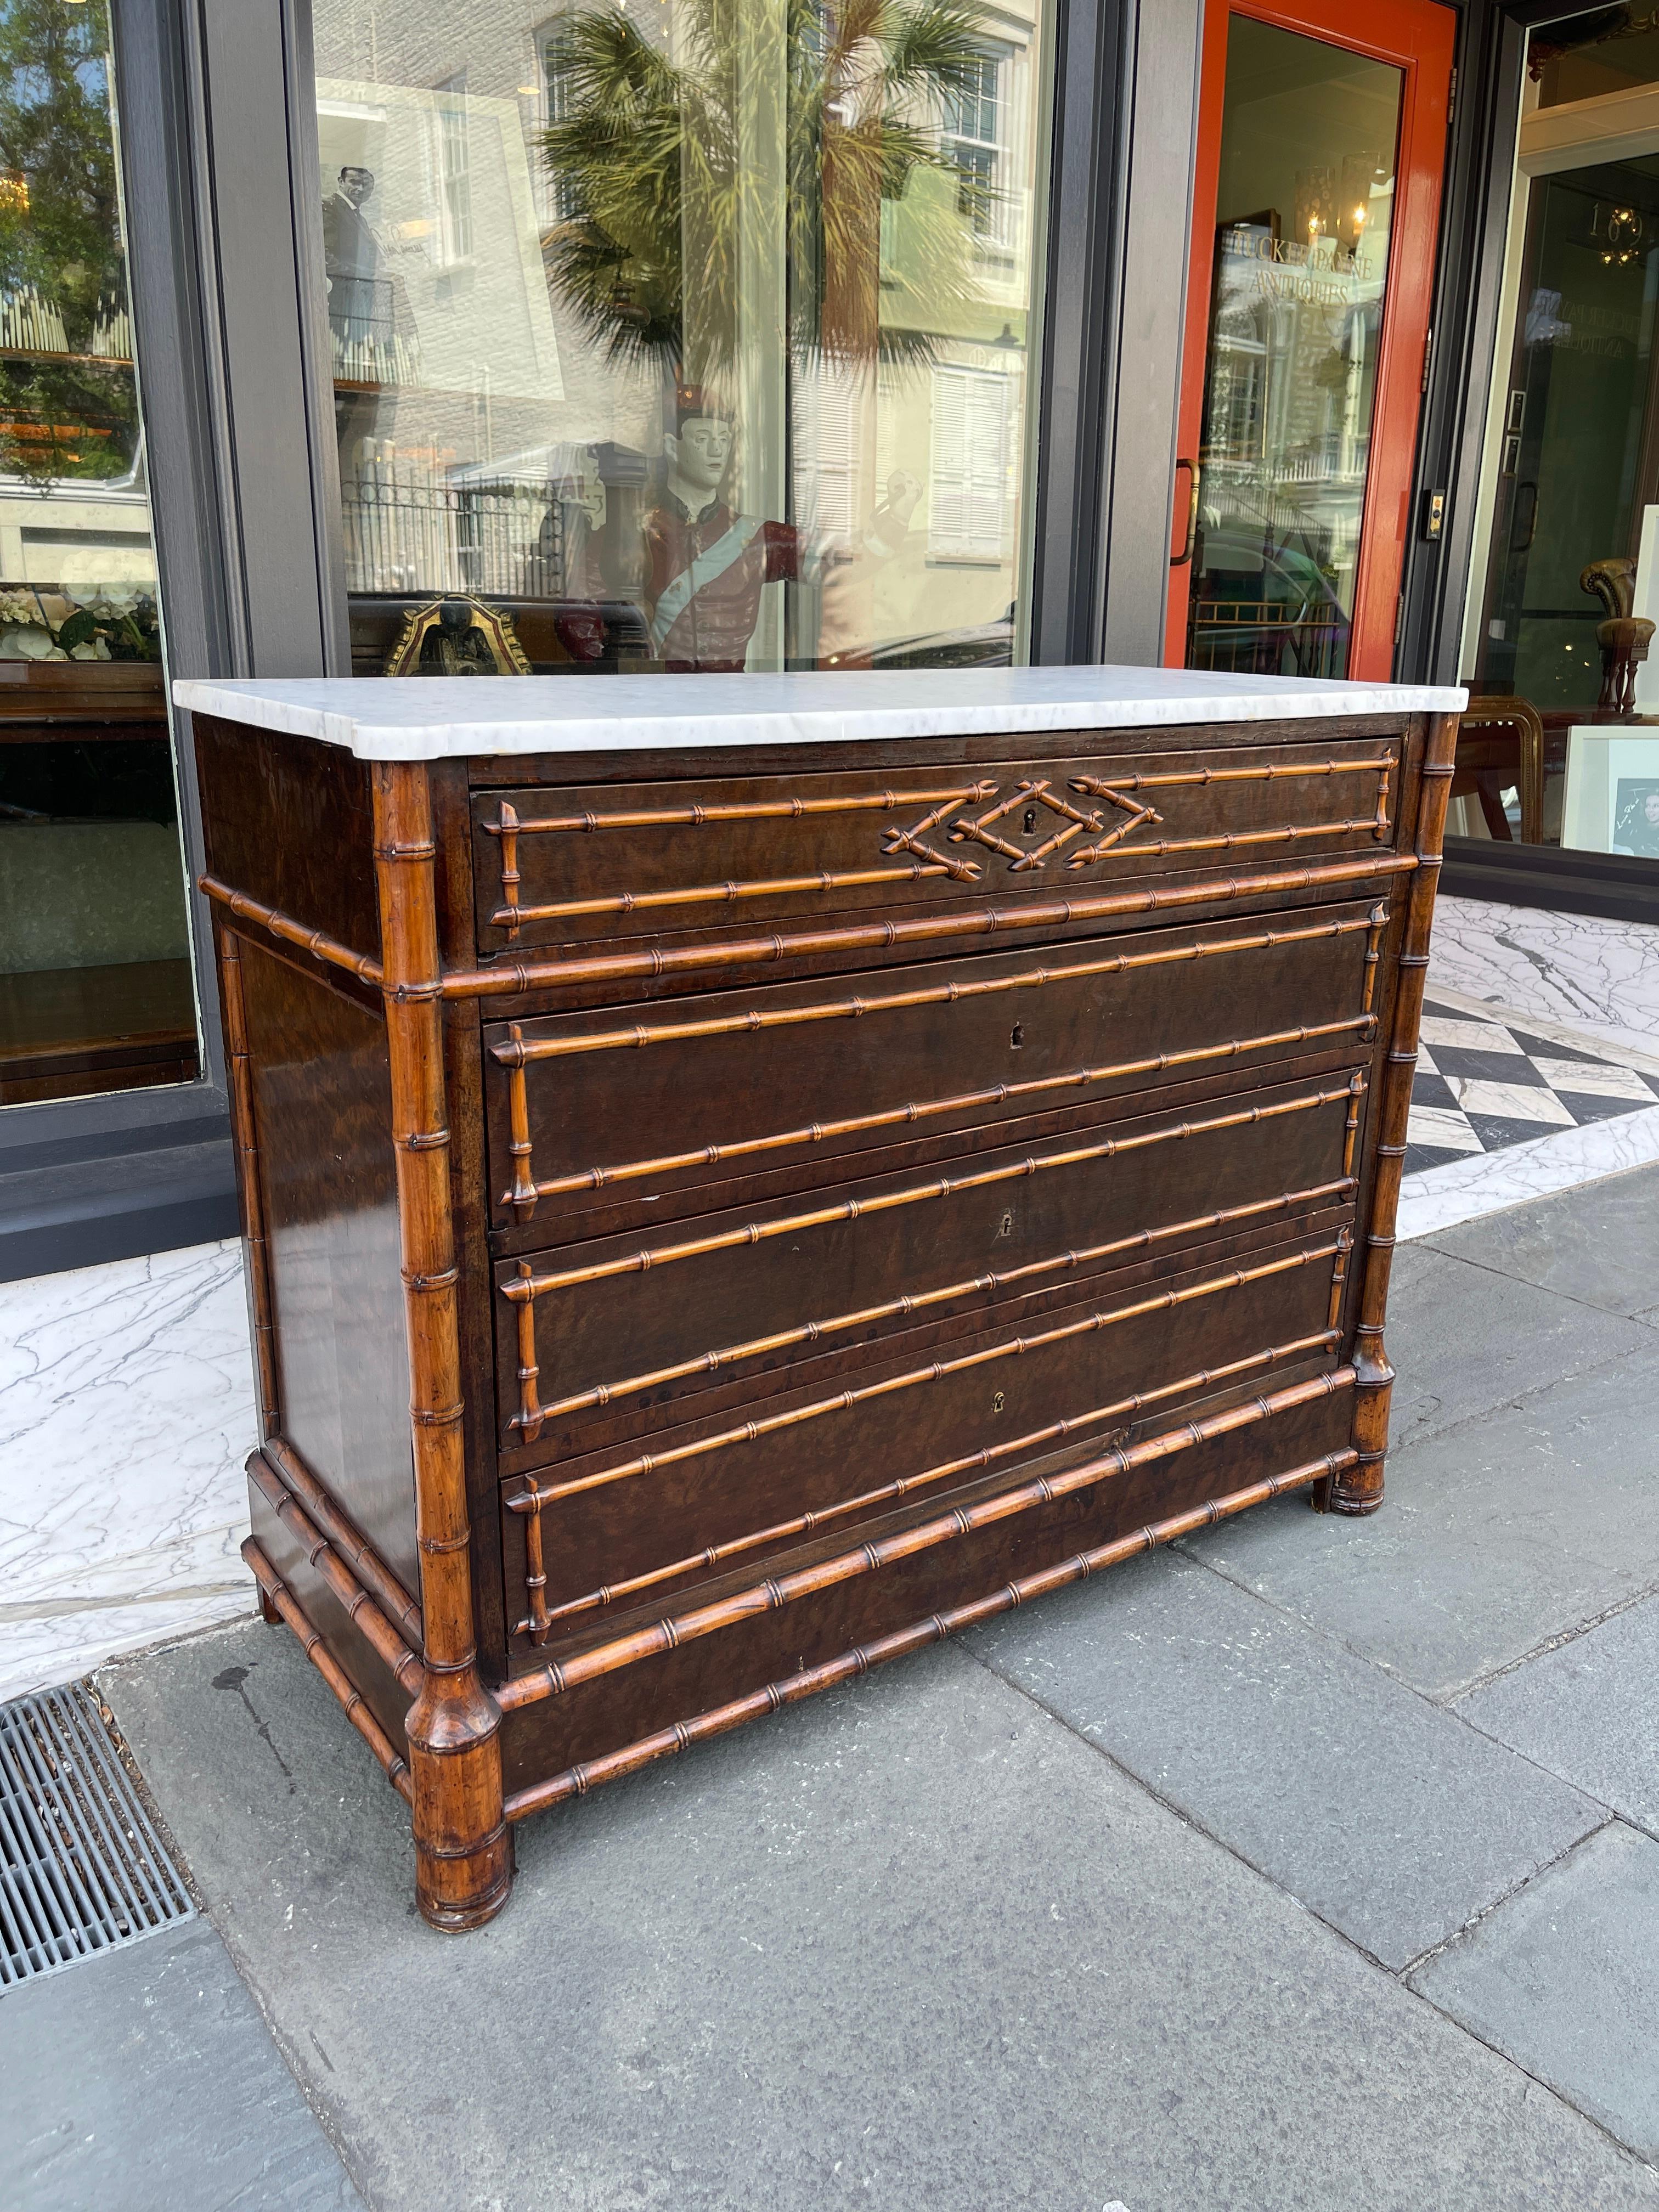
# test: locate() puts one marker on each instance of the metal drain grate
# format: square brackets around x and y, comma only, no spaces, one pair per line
[81,1868]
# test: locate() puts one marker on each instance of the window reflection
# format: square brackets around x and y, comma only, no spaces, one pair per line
[681,334]
[96,990]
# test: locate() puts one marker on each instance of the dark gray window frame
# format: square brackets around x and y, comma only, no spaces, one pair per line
[204,92]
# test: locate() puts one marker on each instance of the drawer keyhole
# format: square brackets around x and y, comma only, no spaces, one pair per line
[998,1402]
[1018,1036]
[1031,820]
[1007,1228]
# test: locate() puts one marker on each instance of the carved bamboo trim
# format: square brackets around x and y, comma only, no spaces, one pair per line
[1227,840]
[533,1499]
[376,1630]
[519,1052]
[463,1851]
[577,1781]
[314,941]
[366,1564]
[1361,1490]
[1379,923]
[695,816]
[513,978]
[1266,771]
[888,1202]
[809,1524]
[777,1592]
[913,1302]
[889,1117]
[244,1131]
[278,1592]
[513,918]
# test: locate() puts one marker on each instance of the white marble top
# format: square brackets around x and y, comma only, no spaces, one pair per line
[443,717]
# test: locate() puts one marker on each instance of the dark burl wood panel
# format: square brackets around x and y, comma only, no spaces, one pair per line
[288,822]
[322,1109]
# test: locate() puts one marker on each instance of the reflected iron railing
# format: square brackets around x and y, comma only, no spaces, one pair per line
[1263,637]
[418,535]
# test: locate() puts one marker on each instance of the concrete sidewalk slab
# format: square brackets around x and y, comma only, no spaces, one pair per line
[1562,1979]
[1464,1340]
[1599,1245]
[145,2081]
[1494,1538]
[913,1945]
[1588,1711]
[1384,1814]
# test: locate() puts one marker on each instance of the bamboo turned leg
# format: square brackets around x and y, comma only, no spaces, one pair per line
[463,1847]
[1359,1489]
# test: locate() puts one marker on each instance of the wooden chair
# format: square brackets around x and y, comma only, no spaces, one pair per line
[1500,742]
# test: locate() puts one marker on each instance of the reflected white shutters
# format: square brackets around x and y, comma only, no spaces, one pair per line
[967,492]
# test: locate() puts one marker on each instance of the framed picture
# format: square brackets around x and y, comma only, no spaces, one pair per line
[1611,803]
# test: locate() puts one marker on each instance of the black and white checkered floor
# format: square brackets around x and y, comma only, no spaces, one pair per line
[1483,1085]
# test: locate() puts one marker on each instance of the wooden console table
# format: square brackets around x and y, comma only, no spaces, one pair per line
[745,1177]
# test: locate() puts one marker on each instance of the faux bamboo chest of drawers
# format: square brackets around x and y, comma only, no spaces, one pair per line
[744,1178]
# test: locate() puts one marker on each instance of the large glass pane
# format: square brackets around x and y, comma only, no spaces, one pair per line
[1304,218]
[681,333]
[95,981]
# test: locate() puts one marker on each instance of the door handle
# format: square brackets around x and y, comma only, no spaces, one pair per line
[1179,560]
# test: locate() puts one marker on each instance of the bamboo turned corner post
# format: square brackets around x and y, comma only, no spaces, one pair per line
[1358,1488]
[463,1847]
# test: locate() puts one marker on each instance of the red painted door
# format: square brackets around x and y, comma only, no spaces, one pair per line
[1321,141]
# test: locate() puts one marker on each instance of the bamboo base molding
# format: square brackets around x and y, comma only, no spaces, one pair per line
[577,1781]
[275,1593]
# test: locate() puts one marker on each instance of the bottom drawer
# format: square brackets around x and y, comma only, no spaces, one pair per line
[619,1533]
[669,1696]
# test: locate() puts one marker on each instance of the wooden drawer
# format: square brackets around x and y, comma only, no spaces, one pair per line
[570,865]
[618,1531]
[600,1339]
[649,1114]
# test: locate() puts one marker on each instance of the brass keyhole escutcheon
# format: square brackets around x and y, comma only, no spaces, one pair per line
[1018,1036]
[998,1402]
[1031,820]
[1007,1228]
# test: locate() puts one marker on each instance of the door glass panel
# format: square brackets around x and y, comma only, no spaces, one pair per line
[96,989]
[1304,216]
[681,333]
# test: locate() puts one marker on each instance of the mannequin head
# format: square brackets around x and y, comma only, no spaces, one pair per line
[699,451]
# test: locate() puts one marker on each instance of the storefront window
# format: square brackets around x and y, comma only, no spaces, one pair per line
[1562,747]
[96,989]
[681,334]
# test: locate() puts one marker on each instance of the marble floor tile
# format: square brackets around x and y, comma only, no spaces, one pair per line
[1571,967]
[126,1411]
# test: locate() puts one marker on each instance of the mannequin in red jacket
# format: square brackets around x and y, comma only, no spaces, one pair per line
[705,566]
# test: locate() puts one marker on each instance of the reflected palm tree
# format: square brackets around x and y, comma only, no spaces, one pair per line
[773,130]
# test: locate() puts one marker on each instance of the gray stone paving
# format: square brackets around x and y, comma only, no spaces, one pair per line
[1303,1866]
[145,2081]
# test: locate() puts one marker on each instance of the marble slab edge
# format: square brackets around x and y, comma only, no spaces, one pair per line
[384,718]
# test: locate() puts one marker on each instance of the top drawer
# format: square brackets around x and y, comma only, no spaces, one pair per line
[569,866]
